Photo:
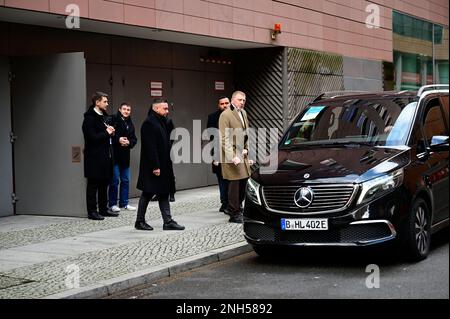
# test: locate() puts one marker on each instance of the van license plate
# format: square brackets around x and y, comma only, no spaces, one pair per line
[304,224]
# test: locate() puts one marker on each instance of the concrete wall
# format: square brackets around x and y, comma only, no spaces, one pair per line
[362,75]
[124,67]
[323,25]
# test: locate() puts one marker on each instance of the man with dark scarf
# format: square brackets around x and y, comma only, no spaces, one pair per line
[155,169]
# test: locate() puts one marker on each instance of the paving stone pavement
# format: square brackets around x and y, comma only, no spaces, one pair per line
[81,226]
[138,252]
[48,278]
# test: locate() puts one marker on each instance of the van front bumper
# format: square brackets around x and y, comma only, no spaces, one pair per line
[373,223]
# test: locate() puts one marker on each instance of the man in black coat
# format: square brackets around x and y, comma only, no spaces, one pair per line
[170,127]
[172,189]
[98,156]
[213,123]
[124,140]
[155,167]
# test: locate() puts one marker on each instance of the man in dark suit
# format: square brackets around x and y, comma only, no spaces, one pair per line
[98,156]
[213,122]
[155,171]
[170,127]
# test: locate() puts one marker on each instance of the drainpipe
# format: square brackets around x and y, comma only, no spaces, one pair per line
[433,63]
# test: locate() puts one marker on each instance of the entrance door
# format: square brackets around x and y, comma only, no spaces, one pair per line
[6,182]
[188,99]
[131,85]
[49,95]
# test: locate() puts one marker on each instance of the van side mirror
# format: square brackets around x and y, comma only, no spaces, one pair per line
[439,143]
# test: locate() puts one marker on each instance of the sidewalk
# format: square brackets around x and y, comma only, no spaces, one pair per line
[40,256]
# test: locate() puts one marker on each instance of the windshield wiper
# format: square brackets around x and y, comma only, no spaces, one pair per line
[345,143]
[293,146]
[328,144]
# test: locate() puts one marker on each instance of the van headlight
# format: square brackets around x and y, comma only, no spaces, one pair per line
[253,191]
[377,186]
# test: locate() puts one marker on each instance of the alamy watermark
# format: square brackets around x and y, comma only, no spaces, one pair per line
[373,280]
[252,145]
[73,276]
[73,19]
[373,19]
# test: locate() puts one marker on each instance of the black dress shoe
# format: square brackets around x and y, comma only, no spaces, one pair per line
[109,214]
[142,226]
[172,225]
[238,219]
[227,212]
[95,216]
[222,208]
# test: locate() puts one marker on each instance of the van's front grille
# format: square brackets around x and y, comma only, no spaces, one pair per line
[327,198]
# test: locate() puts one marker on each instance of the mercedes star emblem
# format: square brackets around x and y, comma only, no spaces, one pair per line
[306,176]
[303,197]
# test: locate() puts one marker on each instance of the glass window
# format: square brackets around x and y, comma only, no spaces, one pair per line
[444,103]
[408,26]
[438,34]
[433,123]
[441,54]
[353,121]
[420,53]
[398,133]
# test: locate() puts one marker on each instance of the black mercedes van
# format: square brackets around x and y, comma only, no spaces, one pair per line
[354,170]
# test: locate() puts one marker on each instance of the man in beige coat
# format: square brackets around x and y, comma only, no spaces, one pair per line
[233,124]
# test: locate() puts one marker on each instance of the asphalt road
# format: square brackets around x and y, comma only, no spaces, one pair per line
[311,274]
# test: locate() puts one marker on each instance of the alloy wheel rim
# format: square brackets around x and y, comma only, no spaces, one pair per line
[421,230]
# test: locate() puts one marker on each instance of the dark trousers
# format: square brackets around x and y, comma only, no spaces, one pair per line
[97,186]
[223,188]
[236,195]
[164,206]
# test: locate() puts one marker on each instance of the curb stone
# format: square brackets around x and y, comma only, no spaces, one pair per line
[115,285]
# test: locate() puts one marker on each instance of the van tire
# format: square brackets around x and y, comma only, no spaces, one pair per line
[416,232]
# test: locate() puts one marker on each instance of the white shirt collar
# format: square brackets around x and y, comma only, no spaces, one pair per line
[98,111]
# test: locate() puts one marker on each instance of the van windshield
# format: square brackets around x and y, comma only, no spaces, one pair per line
[383,122]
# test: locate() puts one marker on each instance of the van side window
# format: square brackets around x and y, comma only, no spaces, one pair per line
[444,104]
[433,123]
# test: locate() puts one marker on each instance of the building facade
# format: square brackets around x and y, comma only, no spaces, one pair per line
[55,53]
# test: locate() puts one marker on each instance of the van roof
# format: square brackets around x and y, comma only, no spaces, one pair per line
[339,95]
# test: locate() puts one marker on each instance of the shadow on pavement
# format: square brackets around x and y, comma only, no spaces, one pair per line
[386,254]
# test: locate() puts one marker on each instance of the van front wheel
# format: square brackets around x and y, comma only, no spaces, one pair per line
[416,231]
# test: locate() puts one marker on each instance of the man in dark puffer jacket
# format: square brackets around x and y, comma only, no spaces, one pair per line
[123,141]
